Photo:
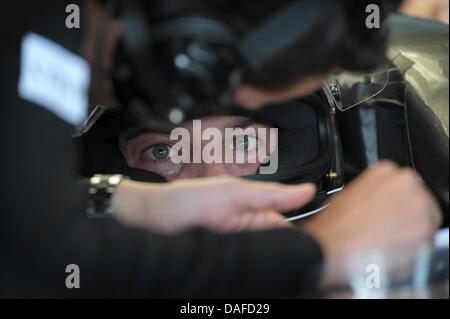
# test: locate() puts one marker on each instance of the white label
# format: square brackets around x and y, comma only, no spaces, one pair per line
[54,77]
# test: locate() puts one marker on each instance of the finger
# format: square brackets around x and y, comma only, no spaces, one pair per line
[412,184]
[380,170]
[372,178]
[268,220]
[253,221]
[433,208]
[264,196]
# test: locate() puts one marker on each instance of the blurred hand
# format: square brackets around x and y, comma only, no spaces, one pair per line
[384,209]
[430,9]
[220,203]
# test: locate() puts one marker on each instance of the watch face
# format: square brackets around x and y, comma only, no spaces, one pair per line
[101,188]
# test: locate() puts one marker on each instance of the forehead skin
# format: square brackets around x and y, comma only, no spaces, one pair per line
[220,122]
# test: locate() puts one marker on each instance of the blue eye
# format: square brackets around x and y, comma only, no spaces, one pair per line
[159,151]
[244,143]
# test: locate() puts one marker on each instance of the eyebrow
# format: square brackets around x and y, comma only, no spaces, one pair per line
[137,131]
[140,130]
[241,123]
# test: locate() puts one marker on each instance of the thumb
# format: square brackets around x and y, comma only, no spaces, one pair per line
[268,220]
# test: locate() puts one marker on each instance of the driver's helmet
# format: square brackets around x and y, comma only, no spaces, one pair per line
[308,142]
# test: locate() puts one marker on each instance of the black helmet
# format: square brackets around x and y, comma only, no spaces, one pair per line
[308,146]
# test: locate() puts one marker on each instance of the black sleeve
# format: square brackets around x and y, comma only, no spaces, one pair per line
[43,228]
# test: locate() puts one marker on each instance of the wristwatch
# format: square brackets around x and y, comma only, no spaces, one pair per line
[100,191]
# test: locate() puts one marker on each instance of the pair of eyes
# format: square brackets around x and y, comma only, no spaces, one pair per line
[244,143]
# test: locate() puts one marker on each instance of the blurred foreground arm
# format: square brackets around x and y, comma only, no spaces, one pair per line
[220,203]
[387,209]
